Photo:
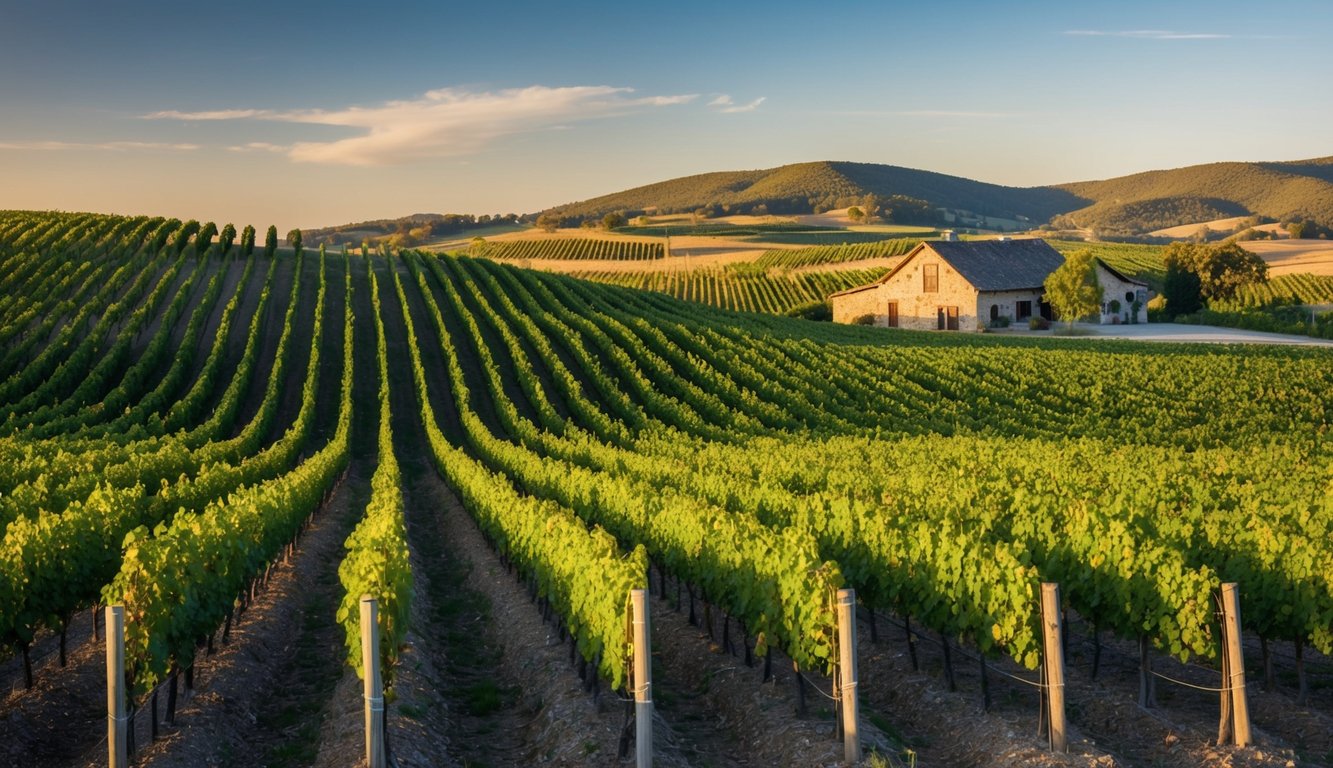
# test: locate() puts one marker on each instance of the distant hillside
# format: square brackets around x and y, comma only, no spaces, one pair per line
[1129,205]
[406,231]
[1158,199]
[913,195]
[1122,207]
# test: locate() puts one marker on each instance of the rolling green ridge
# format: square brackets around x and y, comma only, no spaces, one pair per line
[1129,205]
[1124,206]
[1302,189]
[803,187]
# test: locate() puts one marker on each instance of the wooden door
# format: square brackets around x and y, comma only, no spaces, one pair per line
[946,318]
[893,314]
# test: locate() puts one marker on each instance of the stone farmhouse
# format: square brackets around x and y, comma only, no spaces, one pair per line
[966,285]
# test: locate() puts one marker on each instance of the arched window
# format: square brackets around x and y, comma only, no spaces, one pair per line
[995,311]
[1129,297]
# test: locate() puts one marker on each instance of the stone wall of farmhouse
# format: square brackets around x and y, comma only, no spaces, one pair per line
[1006,304]
[916,309]
[853,305]
[1115,289]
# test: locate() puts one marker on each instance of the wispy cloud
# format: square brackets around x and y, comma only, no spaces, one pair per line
[448,122]
[726,105]
[112,146]
[217,114]
[1148,34]
[952,113]
[259,146]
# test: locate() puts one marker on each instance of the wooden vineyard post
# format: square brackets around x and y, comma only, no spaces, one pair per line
[643,681]
[851,740]
[1053,655]
[374,696]
[1235,684]
[116,720]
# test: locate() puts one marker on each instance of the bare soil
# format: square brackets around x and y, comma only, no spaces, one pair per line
[501,686]
[63,717]
[280,295]
[230,284]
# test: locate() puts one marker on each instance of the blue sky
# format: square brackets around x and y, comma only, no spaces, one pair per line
[305,114]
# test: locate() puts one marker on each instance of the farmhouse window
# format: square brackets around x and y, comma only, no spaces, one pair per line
[1022,310]
[995,312]
[930,278]
[893,314]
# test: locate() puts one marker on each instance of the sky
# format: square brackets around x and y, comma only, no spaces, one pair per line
[307,114]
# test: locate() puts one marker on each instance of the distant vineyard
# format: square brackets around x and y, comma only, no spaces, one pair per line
[581,249]
[1297,289]
[1141,261]
[836,254]
[745,290]
[725,228]
[835,237]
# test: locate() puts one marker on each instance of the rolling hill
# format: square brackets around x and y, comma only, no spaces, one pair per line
[1301,189]
[1130,205]
[805,187]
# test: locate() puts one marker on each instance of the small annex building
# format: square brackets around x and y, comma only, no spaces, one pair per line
[965,285]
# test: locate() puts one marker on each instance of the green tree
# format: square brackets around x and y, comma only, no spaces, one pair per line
[271,241]
[870,207]
[247,241]
[613,220]
[1180,290]
[1227,267]
[1072,289]
[294,240]
[548,222]
[226,239]
[1219,271]
[855,214]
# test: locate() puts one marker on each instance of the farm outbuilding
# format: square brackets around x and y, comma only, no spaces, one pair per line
[966,285]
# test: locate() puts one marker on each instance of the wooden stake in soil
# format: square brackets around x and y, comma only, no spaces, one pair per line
[373,693]
[911,643]
[948,664]
[1054,665]
[1147,699]
[1302,686]
[1240,711]
[116,719]
[643,681]
[27,668]
[851,741]
[171,697]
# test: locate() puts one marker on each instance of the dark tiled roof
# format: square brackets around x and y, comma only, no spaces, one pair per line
[1001,265]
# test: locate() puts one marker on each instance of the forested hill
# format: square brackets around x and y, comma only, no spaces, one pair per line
[1145,201]
[807,187]
[1127,205]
